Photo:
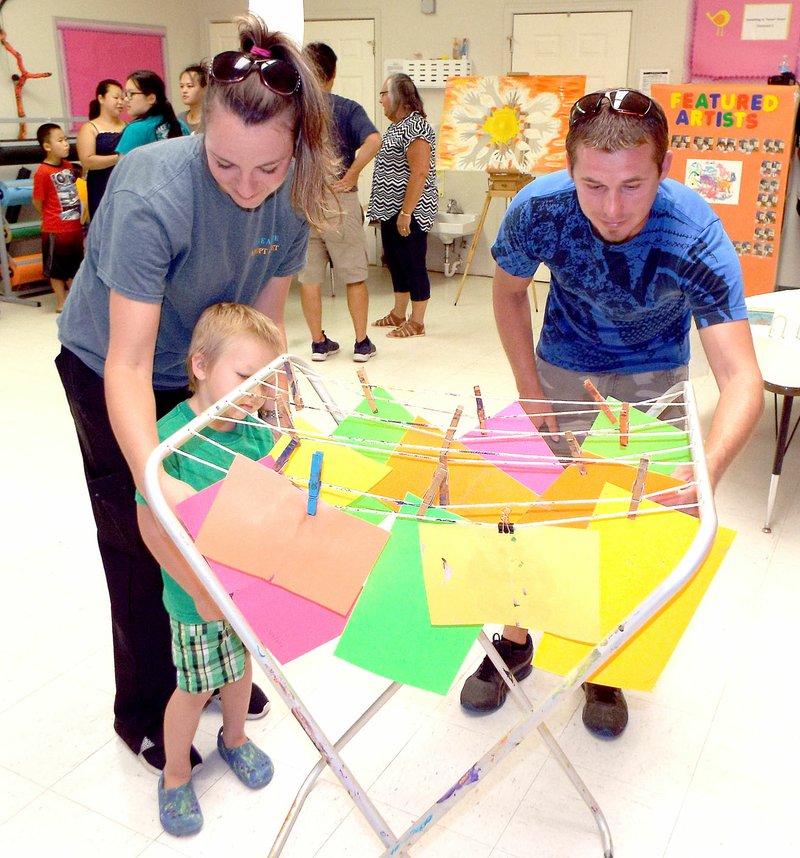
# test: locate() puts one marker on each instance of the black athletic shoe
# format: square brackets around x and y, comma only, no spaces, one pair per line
[153,757]
[364,350]
[485,690]
[320,351]
[605,712]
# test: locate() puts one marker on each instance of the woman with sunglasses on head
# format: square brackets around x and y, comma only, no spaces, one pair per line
[635,257]
[98,138]
[404,200]
[193,83]
[153,116]
[186,223]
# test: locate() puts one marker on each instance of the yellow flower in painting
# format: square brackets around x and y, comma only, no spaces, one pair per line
[504,126]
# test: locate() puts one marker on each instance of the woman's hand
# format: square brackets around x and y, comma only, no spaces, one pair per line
[404,224]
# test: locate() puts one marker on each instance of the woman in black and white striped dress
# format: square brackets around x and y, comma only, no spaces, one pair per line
[404,200]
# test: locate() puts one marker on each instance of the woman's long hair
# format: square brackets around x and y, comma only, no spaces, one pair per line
[306,113]
[151,83]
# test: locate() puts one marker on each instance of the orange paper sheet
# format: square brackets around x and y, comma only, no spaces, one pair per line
[472,479]
[636,556]
[259,524]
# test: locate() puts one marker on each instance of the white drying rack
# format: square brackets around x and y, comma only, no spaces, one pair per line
[533,717]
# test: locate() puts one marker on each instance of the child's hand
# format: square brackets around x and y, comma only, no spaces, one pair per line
[681,494]
[174,490]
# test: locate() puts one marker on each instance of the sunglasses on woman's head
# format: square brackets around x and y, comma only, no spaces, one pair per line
[279,76]
[626,101]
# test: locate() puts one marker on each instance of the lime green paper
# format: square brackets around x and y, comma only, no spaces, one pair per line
[376,434]
[648,435]
[539,577]
[389,631]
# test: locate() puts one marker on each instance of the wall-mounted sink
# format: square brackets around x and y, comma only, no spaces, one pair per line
[448,227]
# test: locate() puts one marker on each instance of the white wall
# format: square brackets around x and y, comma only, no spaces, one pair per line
[31,30]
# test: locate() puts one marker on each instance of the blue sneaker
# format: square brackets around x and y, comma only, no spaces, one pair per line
[364,350]
[248,762]
[178,809]
[320,351]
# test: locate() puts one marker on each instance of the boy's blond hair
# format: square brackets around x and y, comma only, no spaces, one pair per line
[219,323]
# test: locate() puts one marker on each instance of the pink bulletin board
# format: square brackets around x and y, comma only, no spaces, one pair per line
[743,39]
[91,52]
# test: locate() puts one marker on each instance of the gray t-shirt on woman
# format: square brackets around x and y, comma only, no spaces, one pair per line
[167,233]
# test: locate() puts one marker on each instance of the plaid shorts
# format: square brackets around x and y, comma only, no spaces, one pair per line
[207,655]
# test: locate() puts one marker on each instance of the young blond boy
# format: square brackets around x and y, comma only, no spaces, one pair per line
[230,342]
[55,197]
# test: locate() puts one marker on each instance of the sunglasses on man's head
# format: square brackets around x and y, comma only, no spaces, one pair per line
[279,76]
[626,101]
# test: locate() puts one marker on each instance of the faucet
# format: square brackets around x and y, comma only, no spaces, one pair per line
[453,207]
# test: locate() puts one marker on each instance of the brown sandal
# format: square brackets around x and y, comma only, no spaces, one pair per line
[408,329]
[389,321]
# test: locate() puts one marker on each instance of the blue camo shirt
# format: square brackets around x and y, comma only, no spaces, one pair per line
[622,307]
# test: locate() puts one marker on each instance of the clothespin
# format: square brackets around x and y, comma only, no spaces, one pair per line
[293,389]
[367,388]
[428,498]
[280,462]
[575,452]
[638,486]
[505,525]
[314,482]
[444,488]
[598,398]
[450,434]
[481,412]
[624,424]
[283,409]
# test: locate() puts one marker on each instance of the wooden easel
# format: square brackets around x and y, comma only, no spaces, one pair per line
[505,184]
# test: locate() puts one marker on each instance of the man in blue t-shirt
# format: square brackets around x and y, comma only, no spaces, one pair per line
[342,242]
[634,257]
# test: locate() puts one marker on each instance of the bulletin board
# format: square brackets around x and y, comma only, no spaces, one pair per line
[742,39]
[734,146]
[93,51]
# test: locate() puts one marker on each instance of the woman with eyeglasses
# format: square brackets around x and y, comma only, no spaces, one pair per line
[185,223]
[153,116]
[98,138]
[404,200]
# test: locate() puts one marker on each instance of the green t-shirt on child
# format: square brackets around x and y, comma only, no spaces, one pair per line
[248,438]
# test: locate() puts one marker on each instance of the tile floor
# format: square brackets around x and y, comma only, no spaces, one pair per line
[706,768]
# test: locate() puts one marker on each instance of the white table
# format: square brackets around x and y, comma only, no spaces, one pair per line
[777,345]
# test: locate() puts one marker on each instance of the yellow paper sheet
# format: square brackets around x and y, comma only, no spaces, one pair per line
[636,556]
[471,478]
[342,466]
[537,578]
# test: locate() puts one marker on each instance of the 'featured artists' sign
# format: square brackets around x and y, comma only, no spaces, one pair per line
[733,145]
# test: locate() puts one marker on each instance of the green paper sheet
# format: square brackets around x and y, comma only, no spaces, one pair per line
[384,429]
[389,631]
[647,436]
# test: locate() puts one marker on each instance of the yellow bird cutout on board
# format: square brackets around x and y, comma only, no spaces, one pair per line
[720,19]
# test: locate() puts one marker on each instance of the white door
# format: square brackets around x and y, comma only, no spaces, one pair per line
[353,43]
[592,43]
[222,36]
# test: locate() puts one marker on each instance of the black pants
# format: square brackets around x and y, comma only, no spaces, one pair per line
[405,259]
[143,669]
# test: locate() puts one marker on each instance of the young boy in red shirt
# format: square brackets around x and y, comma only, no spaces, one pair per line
[55,197]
